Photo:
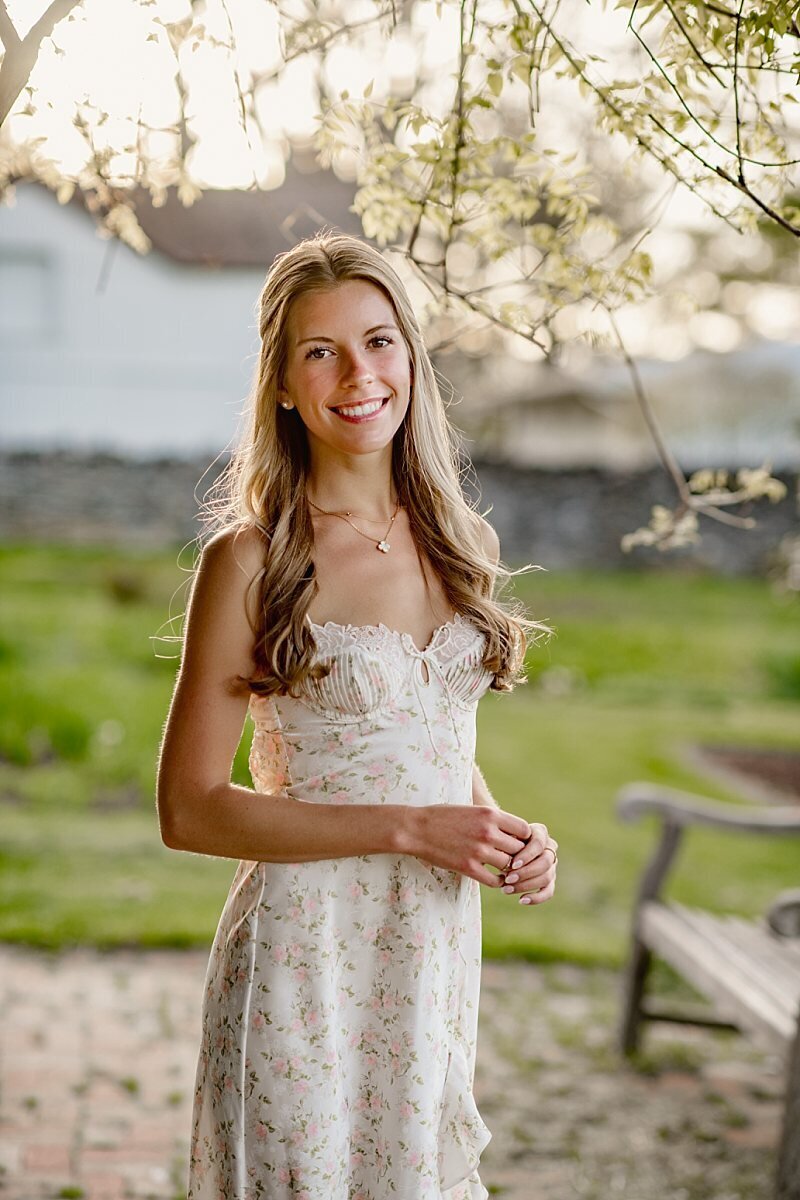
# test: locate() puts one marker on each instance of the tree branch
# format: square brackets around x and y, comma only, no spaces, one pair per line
[668,460]
[239,92]
[710,67]
[460,124]
[739,158]
[757,162]
[21,53]
[338,32]
[723,174]
[605,99]
[8,34]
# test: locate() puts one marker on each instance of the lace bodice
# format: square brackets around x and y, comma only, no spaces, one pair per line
[381,695]
[369,664]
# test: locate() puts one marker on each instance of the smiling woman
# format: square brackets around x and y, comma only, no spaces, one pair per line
[351,384]
[341,1001]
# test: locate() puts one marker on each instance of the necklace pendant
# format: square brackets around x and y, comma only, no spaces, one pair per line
[384,546]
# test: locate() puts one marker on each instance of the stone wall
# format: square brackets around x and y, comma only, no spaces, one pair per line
[577,518]
[558,519]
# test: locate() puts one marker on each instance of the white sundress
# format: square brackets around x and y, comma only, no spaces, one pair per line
[341,999]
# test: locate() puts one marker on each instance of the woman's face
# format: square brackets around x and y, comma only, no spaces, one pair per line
[348,370]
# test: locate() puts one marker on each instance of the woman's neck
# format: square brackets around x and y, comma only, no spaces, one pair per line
[362,486]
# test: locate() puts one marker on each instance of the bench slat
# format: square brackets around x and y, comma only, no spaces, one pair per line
[771,949]
[761,963]
[754,969]
[705,964]
[703,958]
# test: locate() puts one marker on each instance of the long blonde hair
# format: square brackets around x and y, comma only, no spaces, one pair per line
[264,484]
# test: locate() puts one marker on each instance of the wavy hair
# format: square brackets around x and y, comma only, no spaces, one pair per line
[264,484]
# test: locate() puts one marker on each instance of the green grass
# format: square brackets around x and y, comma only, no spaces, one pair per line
[643,665]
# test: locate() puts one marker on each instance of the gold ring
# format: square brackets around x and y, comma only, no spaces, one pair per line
[554,854]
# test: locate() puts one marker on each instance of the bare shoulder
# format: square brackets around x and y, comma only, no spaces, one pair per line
[240,550]
[490,540]
[220,618]
[233,558]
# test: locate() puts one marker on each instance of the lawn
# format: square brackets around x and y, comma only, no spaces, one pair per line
[644,664]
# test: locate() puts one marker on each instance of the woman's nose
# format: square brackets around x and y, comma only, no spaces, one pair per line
[357,368]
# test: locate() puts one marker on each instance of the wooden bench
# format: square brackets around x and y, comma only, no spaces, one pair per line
[748,969]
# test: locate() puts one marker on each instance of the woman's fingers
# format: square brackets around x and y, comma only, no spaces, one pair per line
[535,879]
[507,847]
[517,827]
[545,893]
[499,858]
[504,837]
[475,840]
[536,876]
[534,846]
[484,875]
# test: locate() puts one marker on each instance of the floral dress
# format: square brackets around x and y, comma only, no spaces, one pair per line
[341,998]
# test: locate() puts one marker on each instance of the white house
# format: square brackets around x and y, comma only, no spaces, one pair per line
[103,348]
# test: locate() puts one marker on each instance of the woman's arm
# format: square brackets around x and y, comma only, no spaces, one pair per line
[200,810]
[532,871]
[480,788]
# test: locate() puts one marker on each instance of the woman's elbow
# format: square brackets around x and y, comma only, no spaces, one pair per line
[169,810]
[167,825]
[184,812]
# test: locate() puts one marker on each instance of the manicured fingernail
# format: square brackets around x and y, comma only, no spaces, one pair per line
[508,889]
[517,862]
[512,878]
[525,900]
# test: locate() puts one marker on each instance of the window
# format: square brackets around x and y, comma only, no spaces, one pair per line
[27,293]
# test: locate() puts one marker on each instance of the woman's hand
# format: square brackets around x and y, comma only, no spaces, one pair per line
[468,838]
[533,871]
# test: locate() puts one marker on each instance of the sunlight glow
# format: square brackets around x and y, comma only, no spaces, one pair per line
[105,84]
[715,331]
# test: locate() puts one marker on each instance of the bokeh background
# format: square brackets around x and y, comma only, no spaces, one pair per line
[127,346]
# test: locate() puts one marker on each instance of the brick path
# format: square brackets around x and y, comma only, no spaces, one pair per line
[99,1050]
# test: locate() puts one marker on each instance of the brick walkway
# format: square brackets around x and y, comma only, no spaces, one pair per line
[98,1060]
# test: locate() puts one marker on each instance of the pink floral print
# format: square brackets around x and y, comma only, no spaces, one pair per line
[341,998]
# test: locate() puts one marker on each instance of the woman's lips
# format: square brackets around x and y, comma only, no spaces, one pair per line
[355,414]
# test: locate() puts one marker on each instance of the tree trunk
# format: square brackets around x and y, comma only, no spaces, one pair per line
[21,53]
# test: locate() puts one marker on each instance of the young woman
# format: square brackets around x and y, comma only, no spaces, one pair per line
[347,602]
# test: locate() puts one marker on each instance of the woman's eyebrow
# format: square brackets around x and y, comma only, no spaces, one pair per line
[322,337]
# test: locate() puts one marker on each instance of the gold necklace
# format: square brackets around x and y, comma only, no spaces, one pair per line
[382,545]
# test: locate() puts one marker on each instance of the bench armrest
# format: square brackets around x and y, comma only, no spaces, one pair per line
[783,915]
[683,808]
[678,810]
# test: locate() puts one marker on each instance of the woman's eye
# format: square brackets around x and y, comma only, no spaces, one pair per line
[381,337]
[317,352]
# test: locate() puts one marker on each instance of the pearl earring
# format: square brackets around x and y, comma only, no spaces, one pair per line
[286,404]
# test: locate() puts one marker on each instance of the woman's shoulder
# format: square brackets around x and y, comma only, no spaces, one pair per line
[241,548]
[489,540]
[230,563]
[218,637]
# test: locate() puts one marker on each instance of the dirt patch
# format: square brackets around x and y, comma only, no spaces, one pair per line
[777,771]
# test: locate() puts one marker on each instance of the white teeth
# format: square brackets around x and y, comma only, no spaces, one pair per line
[360,410]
